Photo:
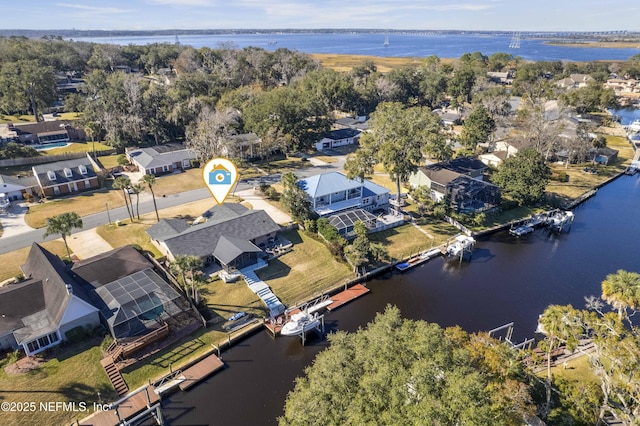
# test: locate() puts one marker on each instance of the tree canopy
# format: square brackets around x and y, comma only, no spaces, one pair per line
[523,177]
[399,371]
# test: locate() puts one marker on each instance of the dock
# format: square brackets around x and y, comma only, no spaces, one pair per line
[419,259]
[138,404]
[199,371]
[347,296]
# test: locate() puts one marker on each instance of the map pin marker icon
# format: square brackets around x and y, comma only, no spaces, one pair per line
[220,176]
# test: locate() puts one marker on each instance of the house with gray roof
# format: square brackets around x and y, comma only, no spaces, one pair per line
[46,132]
[232,235]
[16,186]
[37,313]
[66,177]
[339,137]
[161,159]
[466,194]
[333,192]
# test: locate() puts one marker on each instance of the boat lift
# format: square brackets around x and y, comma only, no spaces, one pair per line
[526,344]
[319,329]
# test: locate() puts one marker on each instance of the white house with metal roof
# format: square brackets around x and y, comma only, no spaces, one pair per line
[333,192]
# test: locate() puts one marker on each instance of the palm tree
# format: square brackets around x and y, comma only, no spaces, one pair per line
[137,189]
[124,183]
[558,323]
[622,291]
[63,224]
[188,266]
[150,180]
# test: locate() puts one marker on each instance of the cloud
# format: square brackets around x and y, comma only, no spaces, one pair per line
[183,2]
[93,9]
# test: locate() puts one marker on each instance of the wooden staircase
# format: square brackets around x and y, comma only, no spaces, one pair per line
[114,375]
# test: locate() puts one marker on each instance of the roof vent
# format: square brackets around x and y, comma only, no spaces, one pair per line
[69,288]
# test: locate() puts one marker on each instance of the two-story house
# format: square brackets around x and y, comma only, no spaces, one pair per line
[333,192]
[66,177]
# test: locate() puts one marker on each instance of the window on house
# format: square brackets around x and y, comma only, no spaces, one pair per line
[56,189]
[32,346]
[165,168]
[83,169]
[67,172]
[51,175]
[87,183]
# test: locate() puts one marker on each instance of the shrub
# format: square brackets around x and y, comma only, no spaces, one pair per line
[310,226]
[123,160]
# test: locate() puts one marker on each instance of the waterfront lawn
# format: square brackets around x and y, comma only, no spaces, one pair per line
[72,374]
[309,269]
[10,262]
[402,241]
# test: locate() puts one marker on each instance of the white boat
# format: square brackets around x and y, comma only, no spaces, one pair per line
[460,244]
[634,126]
[300,322]
[560,220]
[521,230]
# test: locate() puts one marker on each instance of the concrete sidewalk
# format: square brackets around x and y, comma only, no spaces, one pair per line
[88,243]
[258,202]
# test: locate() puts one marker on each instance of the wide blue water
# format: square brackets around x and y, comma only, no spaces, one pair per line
[418,44]
[509,279]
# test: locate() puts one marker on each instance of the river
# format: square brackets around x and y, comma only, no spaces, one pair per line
[507,280]
[400,45]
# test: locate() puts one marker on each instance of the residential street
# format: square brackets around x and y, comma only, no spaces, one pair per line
[15,241]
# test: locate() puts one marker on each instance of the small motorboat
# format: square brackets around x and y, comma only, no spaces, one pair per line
[521,230]
[300,322]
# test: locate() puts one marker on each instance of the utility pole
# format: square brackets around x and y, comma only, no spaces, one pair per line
[108,215]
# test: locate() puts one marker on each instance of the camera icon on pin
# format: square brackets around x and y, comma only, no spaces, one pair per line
[219,176]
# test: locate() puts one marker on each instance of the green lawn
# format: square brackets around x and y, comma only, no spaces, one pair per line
[129,233]
[83,203]
[73,374]
[16,118]
[403,241]
[78,147]
[309,269]
[109,161]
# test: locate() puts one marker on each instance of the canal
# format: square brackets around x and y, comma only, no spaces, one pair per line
[508,280]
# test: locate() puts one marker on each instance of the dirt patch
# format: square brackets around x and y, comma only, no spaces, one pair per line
[24,365]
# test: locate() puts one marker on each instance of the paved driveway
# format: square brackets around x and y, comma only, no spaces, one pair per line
[259,203]
[13,220]
[87,243]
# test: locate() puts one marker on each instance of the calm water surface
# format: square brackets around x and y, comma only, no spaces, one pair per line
[507,280]
[420,45]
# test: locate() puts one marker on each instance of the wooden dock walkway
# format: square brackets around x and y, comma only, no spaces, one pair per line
[127,408]
[347,296]
[200,370]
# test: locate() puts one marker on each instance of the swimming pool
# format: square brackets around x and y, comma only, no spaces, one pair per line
[50,146]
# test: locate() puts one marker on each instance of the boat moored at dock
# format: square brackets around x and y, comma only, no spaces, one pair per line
[299,323]
[521,230]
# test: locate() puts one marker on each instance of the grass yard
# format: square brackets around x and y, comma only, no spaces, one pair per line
[16,119]
[83,203]
[129,233]
[403,241]
[10,262]
[383,64]
[109,161]
[307,270]
[77,147]
[178,182]
[578,370]
[74,374]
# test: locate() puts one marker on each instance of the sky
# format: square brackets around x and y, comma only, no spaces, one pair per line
[510,15]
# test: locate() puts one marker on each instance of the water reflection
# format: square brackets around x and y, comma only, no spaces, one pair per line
[507,280]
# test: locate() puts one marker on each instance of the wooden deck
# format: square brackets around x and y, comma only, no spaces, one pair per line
[347,296]
[127,409]
[200,370]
